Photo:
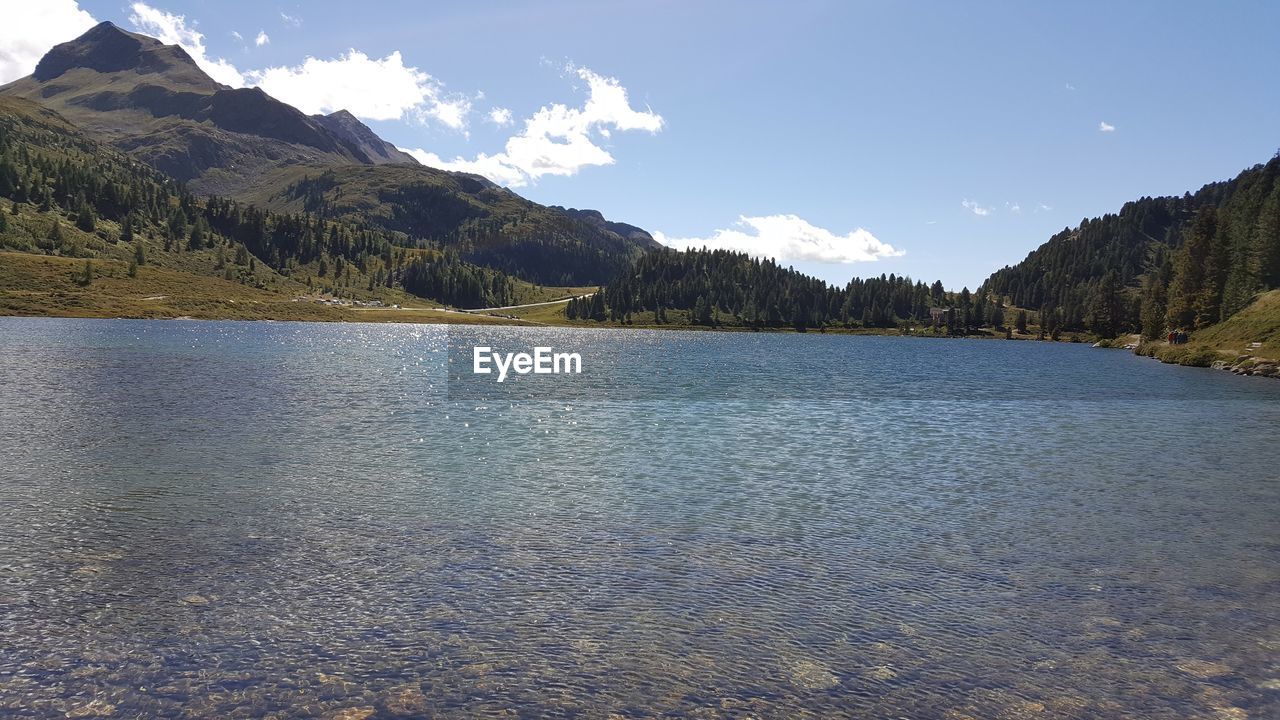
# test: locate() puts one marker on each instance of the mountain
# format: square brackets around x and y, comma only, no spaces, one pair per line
[153,102]
[345,125]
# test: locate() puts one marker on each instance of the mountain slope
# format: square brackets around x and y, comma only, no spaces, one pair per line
[345,126]
[152,101]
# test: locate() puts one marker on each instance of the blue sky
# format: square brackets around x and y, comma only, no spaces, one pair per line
[938,140]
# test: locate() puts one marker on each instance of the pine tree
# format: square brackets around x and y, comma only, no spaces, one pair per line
[1155,301]
[1185,290]
[85,219]
[1104,310]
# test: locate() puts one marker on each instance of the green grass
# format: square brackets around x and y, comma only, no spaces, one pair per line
[1258,322]
[1229,341]
[46,285]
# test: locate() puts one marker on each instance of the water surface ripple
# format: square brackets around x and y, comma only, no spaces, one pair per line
[298,520]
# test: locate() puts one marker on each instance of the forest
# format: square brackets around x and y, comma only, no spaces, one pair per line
[1160,264]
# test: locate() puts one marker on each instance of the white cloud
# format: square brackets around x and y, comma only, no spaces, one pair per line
[500,116]
[1013,207]
[262,38]
[1041,207]
[237,36]
[172,29]
[789,238]
[1105,127]
[290,20]
[559,140]
[377,89]
[975,208]
[1070,86]
[29,29]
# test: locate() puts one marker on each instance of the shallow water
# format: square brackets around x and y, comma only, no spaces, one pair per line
[246,519]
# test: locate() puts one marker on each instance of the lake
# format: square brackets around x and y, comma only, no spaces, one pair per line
[218,519]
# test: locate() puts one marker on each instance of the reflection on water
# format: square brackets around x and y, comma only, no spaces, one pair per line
[240,520]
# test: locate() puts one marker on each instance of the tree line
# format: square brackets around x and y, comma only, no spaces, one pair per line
[723,287]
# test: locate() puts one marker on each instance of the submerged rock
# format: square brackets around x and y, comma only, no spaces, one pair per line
[407,700]
[812,676]
[1202,668]
[194,599]
[355,713]
[94,708]
[882,673]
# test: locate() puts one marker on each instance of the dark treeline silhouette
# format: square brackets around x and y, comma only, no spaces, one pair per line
[713,287]
[1160,264]
[466,285]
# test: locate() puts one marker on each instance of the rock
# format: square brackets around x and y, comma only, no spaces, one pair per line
[1022,709]
[355,713]
[407,700]
[1202,668]
[812,676]
[883,673]
[95,708]
[1273,684]
[195,600]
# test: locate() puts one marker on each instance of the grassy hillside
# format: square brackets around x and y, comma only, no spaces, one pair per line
[1231,342]
[50,286]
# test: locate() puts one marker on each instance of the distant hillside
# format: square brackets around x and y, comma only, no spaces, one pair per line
[483,222]
[594,218]
[1160,263]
